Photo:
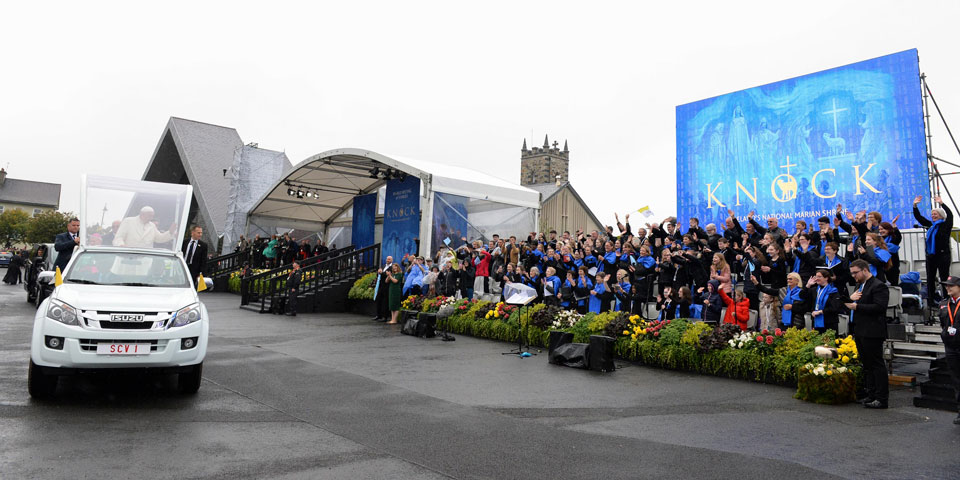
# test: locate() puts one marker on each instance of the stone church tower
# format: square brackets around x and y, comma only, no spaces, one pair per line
[545,164]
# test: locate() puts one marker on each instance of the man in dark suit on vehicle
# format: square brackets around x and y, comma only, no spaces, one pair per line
[195,252]
[868,308]
[65,243]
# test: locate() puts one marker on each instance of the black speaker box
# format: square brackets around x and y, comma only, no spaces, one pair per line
[557,339]
[601,353]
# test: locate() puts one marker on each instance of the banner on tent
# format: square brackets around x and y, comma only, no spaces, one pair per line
[364,220]
[795,149]
[401,218]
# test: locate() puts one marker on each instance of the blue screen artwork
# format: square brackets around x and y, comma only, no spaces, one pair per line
[364,220]
[449,220]
[401,218]
[852,135]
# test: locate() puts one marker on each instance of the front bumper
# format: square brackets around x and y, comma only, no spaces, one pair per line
[79,352]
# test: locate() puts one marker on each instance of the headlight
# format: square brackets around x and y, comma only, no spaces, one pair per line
[185,316]
[62,312]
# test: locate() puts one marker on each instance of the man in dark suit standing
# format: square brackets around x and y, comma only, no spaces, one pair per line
[65,242]
[868,308]
[293,284]
[195,252]
[383,311]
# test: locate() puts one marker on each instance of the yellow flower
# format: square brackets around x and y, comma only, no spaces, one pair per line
[643,331]
[837,342]
[626,332]
[829,372]
[845,359]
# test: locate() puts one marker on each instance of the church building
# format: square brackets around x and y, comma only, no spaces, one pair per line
[546,170]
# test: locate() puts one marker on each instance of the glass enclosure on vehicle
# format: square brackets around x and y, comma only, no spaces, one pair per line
[133,213]
[94,267]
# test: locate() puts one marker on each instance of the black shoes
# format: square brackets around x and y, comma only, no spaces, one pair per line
[863,400]
[376,319]
[291,314]
[956,421]
[875,404]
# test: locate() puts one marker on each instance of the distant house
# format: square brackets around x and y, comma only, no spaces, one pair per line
[27,195]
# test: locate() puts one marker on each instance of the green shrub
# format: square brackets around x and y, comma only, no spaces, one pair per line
[363,288]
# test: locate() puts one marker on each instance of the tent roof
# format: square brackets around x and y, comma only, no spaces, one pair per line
[334,177]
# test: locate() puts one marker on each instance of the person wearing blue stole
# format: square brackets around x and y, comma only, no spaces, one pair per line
[581,290]
[551,287]
[589,258]
[892,237]
[826,301]
[532,280]
[837,265]
[937,244]
[621,292]
[566,291]
[805,257]
[794,301]
[876,254]
[610,260]
[600,295]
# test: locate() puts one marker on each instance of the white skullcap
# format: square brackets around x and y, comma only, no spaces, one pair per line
[146,209]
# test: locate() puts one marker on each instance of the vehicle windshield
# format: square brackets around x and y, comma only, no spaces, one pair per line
[128,269]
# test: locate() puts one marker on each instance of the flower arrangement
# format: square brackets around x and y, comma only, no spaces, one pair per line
[501,310]
[566,319]
[847,350]
[413,302]
[433,304]
[742,340]
[826,383]
[695,334]
[363,288]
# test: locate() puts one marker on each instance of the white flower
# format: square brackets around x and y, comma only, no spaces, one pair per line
[740,345]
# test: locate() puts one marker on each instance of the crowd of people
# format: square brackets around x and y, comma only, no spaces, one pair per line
[279,250]
[841,265]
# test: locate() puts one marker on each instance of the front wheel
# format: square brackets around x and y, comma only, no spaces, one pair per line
[39,384]
[189,382]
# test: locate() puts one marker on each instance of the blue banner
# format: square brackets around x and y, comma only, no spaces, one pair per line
[364,220]
[401,218]
[852,135]
[449,220]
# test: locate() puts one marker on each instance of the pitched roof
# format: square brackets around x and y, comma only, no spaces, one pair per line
[28,192]
[548,190]
[204,151]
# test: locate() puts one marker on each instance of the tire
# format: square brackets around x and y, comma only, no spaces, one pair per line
[39,384]
[189,382]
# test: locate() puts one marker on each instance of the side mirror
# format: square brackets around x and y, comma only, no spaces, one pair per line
[46,276]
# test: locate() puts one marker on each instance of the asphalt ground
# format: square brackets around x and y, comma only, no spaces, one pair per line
[339,396]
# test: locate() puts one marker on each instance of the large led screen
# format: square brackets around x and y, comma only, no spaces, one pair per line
[851,135]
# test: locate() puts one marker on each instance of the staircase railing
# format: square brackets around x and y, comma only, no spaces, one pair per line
[314,277]
[253,286]
[225,264]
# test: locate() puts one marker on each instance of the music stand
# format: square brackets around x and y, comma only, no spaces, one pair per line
[519,295]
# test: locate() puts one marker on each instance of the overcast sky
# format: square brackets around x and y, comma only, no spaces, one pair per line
[88,86]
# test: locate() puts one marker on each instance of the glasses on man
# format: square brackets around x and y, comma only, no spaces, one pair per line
[855,272]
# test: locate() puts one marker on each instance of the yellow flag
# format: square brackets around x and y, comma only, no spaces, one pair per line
[201,285]
[57,278]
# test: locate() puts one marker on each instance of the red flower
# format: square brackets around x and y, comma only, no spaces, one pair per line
[769,340]
[759,338]
[656,334]
[778,332]
[765,331]
[668,322]
[506,317]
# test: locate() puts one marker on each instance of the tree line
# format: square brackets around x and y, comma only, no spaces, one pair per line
[18,227]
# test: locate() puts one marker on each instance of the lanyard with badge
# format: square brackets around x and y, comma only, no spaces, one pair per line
[952,313]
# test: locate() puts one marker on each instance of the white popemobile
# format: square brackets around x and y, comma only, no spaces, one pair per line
[123,307]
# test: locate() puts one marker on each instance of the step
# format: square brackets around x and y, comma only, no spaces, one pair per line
[938,390]
[935,403]
[918,347]
[932,329]
[927,338]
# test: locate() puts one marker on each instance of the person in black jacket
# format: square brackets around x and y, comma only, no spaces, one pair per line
[65,242]
[194,252]
[383,311]
[868,308]
[937,243]
[293,285]
[950,324]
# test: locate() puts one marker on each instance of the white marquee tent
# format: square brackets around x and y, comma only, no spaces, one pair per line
[319,191]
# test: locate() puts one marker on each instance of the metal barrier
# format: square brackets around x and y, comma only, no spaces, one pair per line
[251,286]
[268,289]
[226,264]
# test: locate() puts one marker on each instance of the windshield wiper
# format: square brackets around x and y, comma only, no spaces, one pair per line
[83,281]
[134,284]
